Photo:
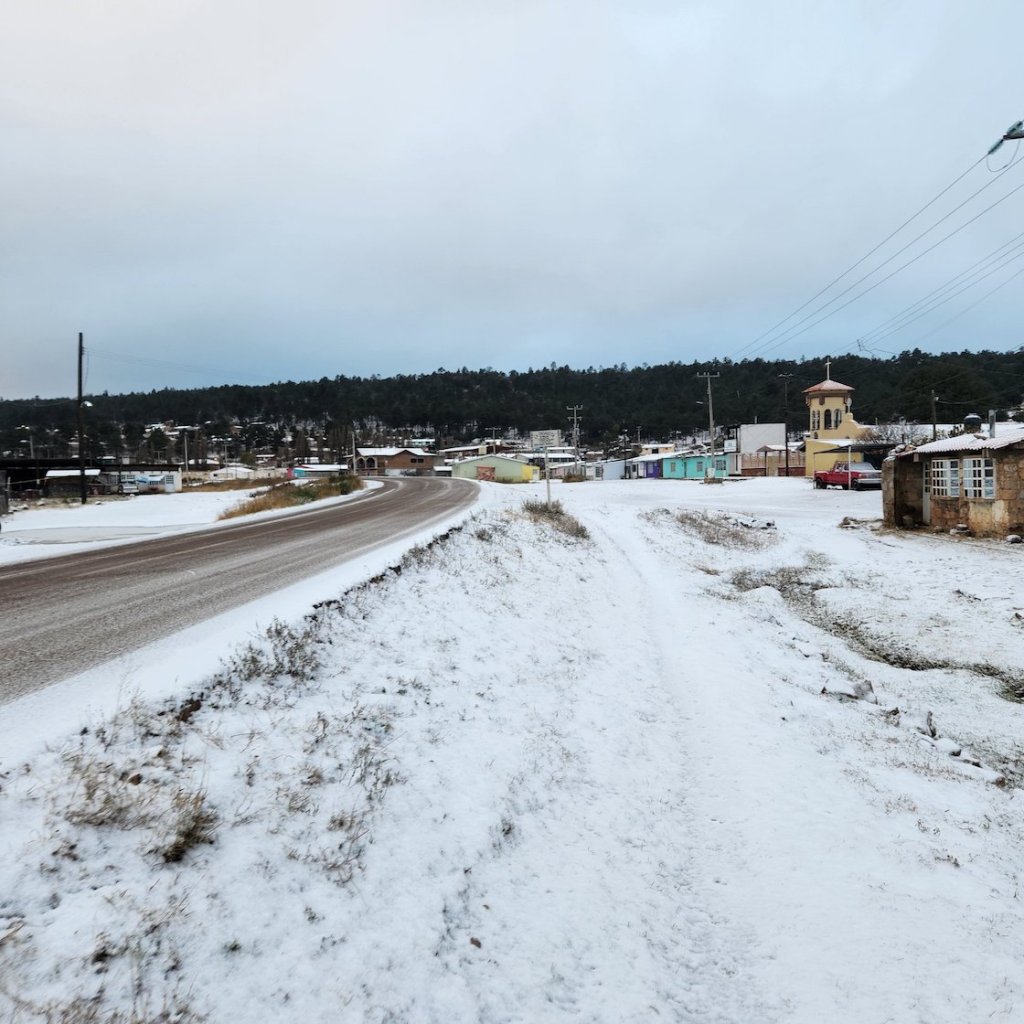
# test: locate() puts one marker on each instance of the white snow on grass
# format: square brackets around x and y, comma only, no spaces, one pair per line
[720,759]
[41,530]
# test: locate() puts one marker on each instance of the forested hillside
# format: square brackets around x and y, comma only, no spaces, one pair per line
[454,405]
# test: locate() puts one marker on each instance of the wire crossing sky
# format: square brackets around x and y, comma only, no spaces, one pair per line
[260,191]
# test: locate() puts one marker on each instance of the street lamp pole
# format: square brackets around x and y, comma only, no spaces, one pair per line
[81,422]
[1015,131]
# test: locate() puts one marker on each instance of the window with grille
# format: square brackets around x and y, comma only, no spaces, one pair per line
[979,478]
[945,478]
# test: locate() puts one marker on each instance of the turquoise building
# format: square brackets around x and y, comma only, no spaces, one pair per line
[692,467]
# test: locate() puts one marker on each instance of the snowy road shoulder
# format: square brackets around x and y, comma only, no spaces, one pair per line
[680,768]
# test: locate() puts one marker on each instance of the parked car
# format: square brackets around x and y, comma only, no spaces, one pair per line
[853,475]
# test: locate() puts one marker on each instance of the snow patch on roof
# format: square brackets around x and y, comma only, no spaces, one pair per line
[1006,435]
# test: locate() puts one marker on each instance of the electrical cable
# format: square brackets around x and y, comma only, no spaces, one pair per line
[867,255]
[995,254]
[967,309]
[785,336]
[781,341]
[959,290]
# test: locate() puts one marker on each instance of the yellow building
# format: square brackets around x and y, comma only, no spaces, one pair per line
[830,423]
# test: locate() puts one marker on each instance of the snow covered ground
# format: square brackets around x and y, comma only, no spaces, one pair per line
[735,755]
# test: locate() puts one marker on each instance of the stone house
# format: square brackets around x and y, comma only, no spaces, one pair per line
[969,480]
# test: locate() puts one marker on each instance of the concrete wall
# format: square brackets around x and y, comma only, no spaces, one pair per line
[751,436]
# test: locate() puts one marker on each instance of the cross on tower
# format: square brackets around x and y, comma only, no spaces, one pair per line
[828,369]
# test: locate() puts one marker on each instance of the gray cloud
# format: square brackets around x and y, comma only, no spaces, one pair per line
[265,190]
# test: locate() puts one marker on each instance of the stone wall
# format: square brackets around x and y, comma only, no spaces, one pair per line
[903,497]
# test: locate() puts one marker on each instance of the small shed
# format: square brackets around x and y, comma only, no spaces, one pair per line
[318,470]
[499,468]
[647,466]
[970,480]
[66,483]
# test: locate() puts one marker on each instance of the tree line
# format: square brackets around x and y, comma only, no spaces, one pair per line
[656,402]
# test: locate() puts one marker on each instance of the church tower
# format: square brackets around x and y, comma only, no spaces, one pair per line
[828,407]
[830,420]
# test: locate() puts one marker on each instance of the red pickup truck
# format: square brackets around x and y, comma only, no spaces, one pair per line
[855,475]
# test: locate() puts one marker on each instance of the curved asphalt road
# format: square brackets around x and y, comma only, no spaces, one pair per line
[59,616]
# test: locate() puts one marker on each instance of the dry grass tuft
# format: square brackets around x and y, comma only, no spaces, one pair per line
[726,531]
[192,824]
[555,515]
[221,486]
[288,495]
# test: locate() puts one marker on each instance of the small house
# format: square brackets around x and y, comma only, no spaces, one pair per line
[683,466]
[393,461]
[971,480]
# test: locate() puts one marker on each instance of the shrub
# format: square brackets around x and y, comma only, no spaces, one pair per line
[191,823]
[288,495]
[555,514]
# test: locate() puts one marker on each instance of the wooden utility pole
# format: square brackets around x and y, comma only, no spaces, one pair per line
[785,378]
[81,421]
[709,377]
[575,410]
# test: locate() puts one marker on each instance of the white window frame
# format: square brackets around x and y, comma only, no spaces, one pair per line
[944,475]
[979,478]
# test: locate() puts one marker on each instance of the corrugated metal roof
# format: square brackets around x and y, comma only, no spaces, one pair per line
[1006,435]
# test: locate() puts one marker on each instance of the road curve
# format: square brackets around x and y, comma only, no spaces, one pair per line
[61,615]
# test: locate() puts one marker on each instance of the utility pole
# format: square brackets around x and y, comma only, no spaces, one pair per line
[935,419]
[709,377]
[785,378]
[575,410]
[81,421]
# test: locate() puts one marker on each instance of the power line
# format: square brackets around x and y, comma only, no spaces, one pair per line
[954,291]
[931,202]
[967,309]
[781,341]
[1010,245]
[786,334]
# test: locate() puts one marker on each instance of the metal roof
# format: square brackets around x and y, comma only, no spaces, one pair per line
[388,452]
[1007,434]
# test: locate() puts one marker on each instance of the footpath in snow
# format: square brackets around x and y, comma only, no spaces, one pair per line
[716,754]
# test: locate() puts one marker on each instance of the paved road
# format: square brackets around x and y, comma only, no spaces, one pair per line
[62,615]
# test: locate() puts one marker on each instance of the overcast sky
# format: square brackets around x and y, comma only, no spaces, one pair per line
[243,192]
